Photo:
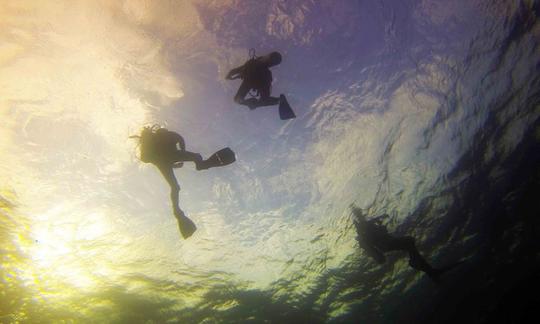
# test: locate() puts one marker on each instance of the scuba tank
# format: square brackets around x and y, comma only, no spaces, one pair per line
[257,65]
[251,67]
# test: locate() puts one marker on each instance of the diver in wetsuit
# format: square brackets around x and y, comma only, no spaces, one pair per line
[167,150]
[375,240]
[256,75]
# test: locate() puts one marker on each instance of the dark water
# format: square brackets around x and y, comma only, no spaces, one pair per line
[425,110]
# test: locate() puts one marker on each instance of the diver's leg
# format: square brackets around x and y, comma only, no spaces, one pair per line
[375,253]
[407,243]
[186,226]
[416,260]
[187,156]
[266,99]
[240,97]
[200,163]
[168,173]
[389,243]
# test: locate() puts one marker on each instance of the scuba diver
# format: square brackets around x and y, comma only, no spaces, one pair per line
[256,75]
[167,150]
[375,240]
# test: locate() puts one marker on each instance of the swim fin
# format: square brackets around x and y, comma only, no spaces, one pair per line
[285,110]
[222,157]
[186,226]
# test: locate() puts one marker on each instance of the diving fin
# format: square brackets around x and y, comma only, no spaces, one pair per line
[186,226]
[285,110]
[222,157]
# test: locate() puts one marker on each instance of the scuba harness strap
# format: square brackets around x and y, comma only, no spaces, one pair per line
[253,93]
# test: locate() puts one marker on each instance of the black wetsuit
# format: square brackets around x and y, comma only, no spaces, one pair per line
[255,75]
[165,149]
[375,240]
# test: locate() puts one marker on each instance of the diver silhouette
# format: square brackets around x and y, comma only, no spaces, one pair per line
[167,150]
[374,239]
[256,75]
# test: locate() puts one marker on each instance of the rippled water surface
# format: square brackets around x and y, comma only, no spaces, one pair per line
[427,110]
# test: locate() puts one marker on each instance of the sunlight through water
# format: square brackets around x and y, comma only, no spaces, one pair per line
[419,109]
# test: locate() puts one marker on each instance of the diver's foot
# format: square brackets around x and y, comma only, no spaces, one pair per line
[252,103]
[200,166]
[199,163]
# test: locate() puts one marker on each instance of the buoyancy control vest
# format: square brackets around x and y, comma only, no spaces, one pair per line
[158,145]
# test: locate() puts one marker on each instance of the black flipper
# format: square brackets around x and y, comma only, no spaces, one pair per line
[285,111]
[186,226]
[222,157]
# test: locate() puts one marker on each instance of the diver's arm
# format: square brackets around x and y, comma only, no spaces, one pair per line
[374,252]
[234,73]
[179,141]
[370,249]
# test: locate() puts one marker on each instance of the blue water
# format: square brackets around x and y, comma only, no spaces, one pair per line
[426,110]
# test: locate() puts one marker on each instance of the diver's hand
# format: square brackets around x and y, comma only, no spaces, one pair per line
[234,73]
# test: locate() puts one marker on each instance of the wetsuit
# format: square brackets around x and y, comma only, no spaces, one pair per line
[375,240]
[255,75]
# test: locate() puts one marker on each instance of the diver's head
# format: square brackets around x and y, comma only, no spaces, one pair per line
[146,131]
[273,58]
[356,211]
[358,216]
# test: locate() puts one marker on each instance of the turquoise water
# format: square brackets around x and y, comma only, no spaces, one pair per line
[425,110]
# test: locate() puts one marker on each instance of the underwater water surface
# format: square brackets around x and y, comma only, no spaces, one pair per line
[426,110]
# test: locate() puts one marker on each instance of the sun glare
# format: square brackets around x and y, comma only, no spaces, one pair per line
[61,251]
[75,84]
